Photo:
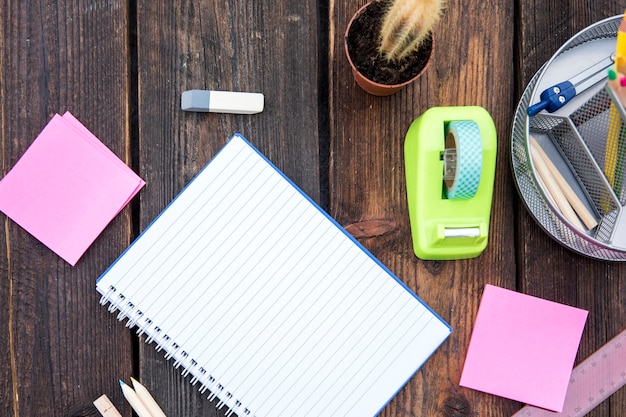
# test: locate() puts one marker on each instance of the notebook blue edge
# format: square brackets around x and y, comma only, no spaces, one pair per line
[356,242]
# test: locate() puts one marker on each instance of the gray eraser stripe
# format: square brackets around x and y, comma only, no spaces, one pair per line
[195,100]
[222,101]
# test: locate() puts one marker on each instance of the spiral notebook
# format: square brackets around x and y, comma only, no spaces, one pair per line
[261,297]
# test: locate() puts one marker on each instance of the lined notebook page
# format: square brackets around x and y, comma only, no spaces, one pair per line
[266,301]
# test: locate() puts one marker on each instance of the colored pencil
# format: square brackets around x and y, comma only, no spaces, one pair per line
[134,400]
[620,50]
[615,129]
[553,189]
[147,399]
[615,80]
[579,207]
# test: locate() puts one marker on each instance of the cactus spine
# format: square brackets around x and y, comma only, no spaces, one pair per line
[407,23]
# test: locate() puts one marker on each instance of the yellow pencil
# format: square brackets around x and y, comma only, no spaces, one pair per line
[613,141]
[620,50]
[147,399]
[612,145]
[135,402]
[616,147]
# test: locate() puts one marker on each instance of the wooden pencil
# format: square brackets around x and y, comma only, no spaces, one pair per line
[553,188]
[106,407]
[134,400]
[620,49]
[579,207]
[617,84]
[147,399]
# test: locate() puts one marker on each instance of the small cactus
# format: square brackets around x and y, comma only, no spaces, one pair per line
[407,23]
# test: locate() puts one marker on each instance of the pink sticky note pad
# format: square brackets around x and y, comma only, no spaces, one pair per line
[67,187]
[523,348]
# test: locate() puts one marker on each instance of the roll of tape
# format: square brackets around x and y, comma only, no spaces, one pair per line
[464,136]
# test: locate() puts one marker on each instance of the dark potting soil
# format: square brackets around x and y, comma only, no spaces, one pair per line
[362,45]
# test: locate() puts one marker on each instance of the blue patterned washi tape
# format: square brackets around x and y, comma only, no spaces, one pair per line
[465,137]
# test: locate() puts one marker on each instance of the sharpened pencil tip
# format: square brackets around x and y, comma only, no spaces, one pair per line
[122,383]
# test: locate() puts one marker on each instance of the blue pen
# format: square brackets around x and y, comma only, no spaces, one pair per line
[555,97]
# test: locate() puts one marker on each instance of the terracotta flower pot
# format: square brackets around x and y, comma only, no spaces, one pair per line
[373,87]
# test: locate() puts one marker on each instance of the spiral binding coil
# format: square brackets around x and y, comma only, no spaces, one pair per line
[135,318]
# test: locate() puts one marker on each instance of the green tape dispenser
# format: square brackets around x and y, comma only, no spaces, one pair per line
[450,160]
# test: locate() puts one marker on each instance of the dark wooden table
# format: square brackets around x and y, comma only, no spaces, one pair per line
[121,66]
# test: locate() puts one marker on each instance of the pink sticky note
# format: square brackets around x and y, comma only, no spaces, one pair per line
[523,348]
[67,187]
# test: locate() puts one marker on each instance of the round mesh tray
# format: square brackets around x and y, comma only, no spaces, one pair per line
[575,138]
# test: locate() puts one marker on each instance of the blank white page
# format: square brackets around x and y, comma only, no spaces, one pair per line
[250,287]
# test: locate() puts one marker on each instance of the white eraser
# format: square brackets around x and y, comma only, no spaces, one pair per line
[222,102]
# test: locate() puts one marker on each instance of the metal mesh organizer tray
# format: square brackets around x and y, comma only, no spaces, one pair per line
[576,140]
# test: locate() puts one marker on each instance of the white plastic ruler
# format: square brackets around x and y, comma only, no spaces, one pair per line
[592,381]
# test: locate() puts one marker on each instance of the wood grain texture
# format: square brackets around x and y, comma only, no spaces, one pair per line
[121,67]
[544,268]
[238,45]
[471,66]
[60,349]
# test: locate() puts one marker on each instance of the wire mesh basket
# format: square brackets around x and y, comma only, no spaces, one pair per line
[584,140]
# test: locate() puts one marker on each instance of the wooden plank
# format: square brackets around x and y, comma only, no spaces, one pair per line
[545,268]
[264,47]
[471,66]
[60,349]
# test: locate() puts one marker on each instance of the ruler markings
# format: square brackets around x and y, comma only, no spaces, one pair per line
[592,381]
